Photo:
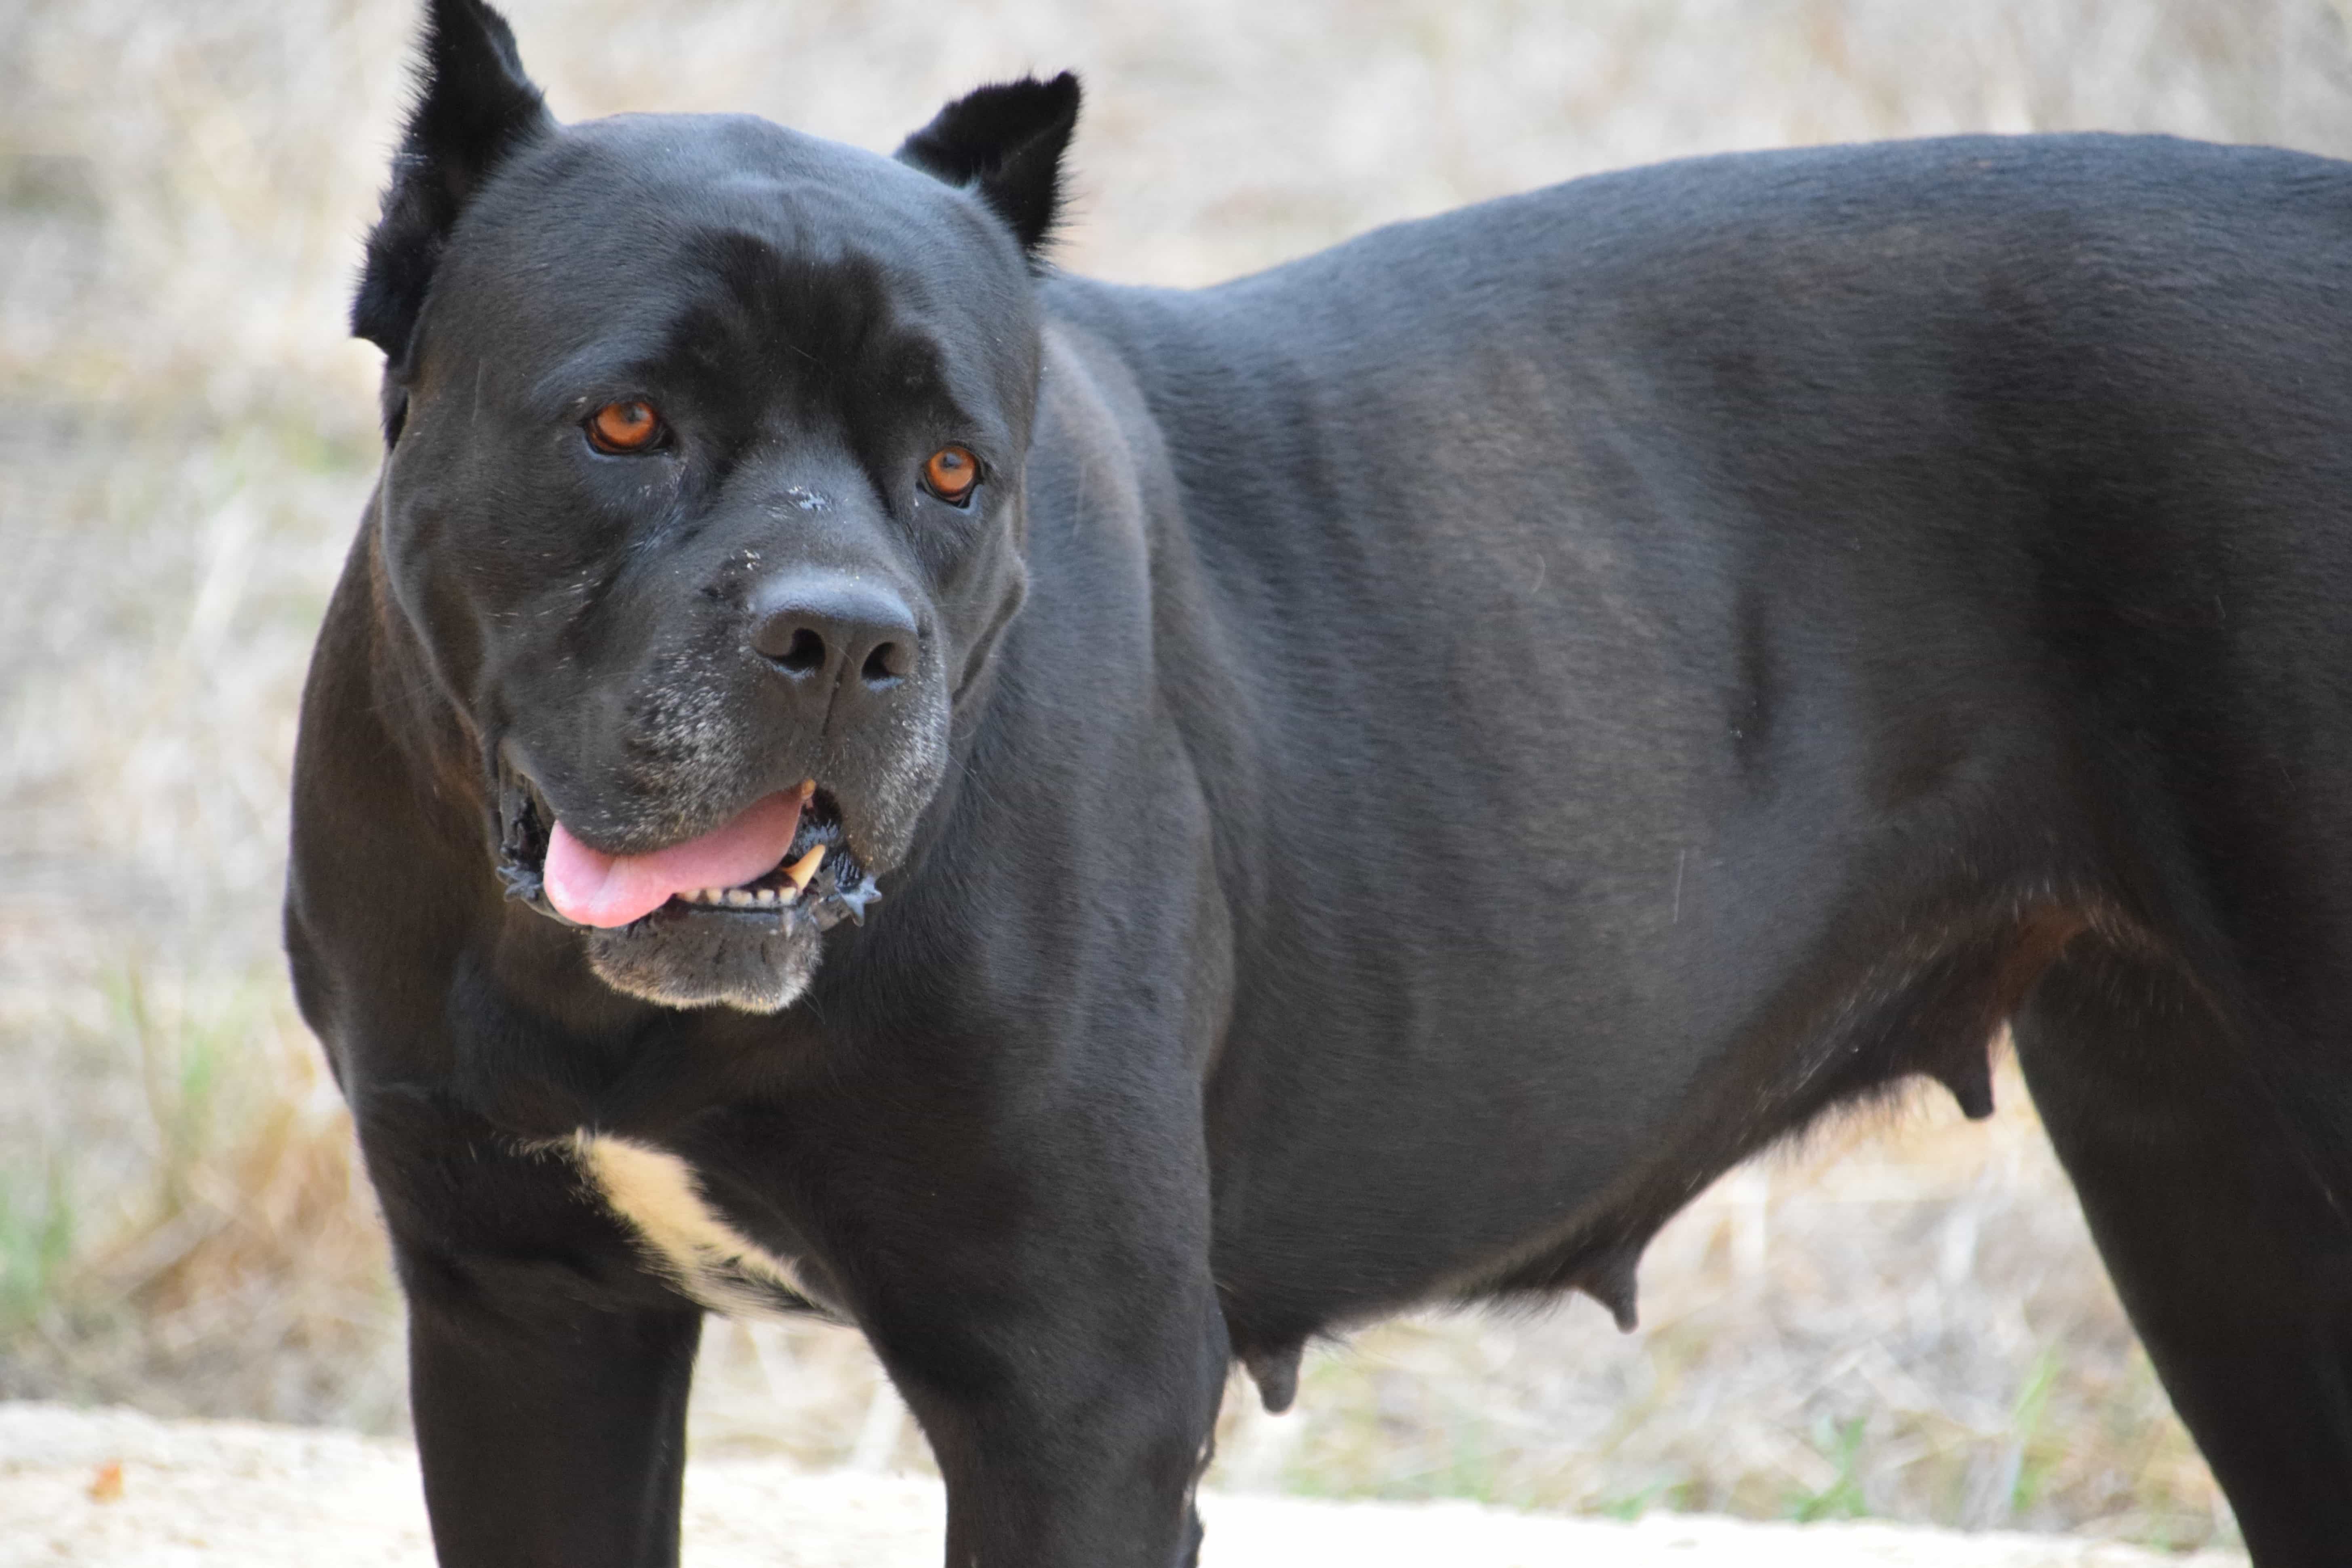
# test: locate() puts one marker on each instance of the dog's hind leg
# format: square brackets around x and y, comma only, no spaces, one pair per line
[2214,1180]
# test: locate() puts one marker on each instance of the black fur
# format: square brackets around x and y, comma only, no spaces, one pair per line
[474,108]
[1405,767]
[1006,142]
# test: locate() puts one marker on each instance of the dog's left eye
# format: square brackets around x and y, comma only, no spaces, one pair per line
[950,473]
[627,426]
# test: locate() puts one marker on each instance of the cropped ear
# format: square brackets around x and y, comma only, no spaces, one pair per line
[474,109]
[1005,143]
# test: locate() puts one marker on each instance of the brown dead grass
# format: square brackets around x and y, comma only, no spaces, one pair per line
[1902,1319]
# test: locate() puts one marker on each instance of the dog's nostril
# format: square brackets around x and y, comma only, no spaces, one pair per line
[803,654]
[826,631]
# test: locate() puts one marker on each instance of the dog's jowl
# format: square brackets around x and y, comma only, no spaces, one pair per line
[1096,833]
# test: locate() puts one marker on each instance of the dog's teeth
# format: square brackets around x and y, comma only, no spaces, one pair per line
[765,895]
[808,788]
[803,868]
[738,895]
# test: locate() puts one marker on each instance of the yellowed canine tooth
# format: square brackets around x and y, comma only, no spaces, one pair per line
[803,868]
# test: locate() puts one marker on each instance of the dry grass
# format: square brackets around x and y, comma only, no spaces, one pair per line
[1908,1324]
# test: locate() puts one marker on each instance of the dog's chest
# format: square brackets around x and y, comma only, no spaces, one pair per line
[684,1235]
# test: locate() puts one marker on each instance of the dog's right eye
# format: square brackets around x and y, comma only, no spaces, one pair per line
[623,428]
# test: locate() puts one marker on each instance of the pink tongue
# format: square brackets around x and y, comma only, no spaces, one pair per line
[599,889]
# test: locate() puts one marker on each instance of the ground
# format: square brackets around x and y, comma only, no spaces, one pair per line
[114,1488]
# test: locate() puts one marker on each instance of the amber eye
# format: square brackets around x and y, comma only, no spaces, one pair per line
[951,472]
[630,426]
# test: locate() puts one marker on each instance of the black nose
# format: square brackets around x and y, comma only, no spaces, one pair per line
[823,630]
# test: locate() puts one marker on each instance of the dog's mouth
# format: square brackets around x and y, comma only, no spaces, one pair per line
[814,883]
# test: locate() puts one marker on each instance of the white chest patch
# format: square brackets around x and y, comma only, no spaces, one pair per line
[684,1237]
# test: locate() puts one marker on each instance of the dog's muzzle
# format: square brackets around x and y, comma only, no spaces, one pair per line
[814,886]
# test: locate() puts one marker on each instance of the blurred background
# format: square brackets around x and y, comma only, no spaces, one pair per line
[1902,1318]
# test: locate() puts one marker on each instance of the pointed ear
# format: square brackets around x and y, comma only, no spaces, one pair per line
[474,109]
[1006,142]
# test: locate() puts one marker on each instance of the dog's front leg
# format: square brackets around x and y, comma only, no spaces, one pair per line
[1070,1437]
[1042,1299]
[552,1432]
[547,1369]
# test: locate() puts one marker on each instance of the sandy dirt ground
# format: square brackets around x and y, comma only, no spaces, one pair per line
[114,1488]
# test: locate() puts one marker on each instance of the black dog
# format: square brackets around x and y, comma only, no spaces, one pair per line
[1094,832]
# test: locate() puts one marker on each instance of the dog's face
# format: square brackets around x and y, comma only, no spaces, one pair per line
[703,493]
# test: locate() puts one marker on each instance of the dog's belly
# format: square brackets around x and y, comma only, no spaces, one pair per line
[1546,1161]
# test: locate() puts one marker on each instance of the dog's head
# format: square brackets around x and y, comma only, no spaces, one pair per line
[703,489]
